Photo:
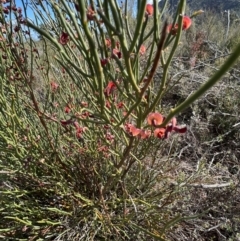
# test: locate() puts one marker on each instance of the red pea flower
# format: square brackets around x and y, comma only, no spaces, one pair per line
[116,52]
[180,129]
[144,134]
[85,115]
[67,109]
[16,28]
[164,132]
[103,148]
[130,128]
[54,86]
[149,10]
[120,105]
[90,13]
[155,119]
[172,125]
[104,62]
[109,136]
[109,89]
[142,50]
[136,132]
[79,130]
[64,38]
[187,22]
[186,25]
[160,133]
[14,8]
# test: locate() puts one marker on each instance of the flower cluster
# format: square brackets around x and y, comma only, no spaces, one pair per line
[114,50]
[112,46]
[155,120]
[187,22]
[134,131]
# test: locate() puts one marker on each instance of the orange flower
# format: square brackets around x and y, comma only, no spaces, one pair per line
[155,119]
[160,133]
[149,10]
[109,89]
[144,134]
[130,128]
[165,132]
[186,25]
[142,50]
[186,22]
[116,52]
[134,130]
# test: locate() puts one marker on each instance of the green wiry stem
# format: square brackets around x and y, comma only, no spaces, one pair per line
[157,58]
[138,28]
[100,77]
[116,15]
[165,72]
[150,77]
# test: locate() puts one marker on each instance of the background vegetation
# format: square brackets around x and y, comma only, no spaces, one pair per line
[215,6]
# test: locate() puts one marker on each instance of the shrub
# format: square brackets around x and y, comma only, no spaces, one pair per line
[85,139]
